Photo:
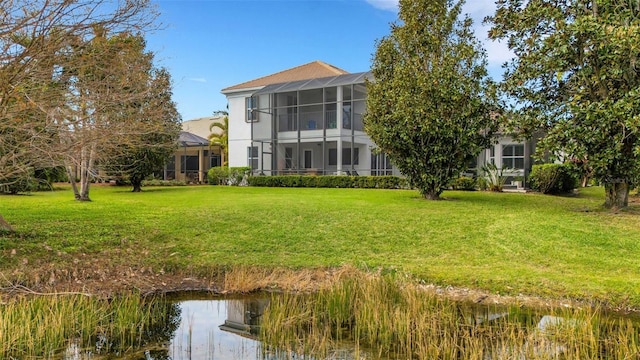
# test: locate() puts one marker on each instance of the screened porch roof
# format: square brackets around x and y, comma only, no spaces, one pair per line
[347,79]
[187,139]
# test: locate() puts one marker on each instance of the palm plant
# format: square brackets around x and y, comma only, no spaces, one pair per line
[221,136]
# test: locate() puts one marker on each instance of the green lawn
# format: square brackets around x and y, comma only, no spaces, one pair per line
[501,242]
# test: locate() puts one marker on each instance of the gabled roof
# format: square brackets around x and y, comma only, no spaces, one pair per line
[312,70]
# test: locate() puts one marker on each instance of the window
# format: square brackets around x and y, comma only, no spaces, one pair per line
[215,161]
[288,158]
[380,164]
[346,156]
[170,169]
[188,163]
[330,116]
[308,157]
[346,115]
[252,109]
[513,156]
[252,157]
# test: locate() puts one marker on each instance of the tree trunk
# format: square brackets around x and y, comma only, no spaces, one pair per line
[72,180]
[4,225]
[137,185]
[86,167]
[432,195]
[616,195]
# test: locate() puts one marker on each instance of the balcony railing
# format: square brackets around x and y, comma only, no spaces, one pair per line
[308,121]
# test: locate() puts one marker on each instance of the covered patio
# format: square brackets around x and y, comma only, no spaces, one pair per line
[193,158]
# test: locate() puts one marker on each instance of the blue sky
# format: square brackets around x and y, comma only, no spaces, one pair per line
[208,45]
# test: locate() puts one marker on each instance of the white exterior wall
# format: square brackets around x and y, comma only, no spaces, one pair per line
[239,129]
[262,134]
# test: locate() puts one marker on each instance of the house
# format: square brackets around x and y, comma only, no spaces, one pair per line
[305,120]
[308,120]
[194,156]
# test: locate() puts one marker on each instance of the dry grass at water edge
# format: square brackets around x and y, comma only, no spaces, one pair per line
[247,279]
[389,318]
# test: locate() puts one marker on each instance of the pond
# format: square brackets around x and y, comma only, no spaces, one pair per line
[228,329]
[198,327]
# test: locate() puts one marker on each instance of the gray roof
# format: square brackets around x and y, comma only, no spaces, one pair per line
[189,139]
[357,78]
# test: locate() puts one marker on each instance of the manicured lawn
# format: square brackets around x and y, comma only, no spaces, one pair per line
[508,243]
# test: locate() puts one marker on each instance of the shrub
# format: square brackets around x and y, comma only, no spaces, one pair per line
[494,177]
[222,175]
[19,185]
[51,175]
[552,179]
[329,181]
[239,175]
[482,184]
[218,175]
[464,183]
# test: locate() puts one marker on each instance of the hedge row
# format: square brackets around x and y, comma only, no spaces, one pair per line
[330,181]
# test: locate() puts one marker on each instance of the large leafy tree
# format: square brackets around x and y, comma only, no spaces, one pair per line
[576,76]
[429,105]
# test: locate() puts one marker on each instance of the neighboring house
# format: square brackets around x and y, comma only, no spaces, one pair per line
[194,156]
[308,120]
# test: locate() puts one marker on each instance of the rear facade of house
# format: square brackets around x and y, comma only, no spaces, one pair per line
[308,120]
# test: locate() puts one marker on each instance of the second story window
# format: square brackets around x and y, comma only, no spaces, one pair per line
[252,109]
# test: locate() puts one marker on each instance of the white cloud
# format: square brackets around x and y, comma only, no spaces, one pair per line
[497,52]
[389,5]
[200,80]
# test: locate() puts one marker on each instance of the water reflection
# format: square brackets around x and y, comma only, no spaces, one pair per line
[217,329]
[227,329]
[194,329]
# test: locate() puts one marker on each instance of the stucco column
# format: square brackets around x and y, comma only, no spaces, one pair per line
[178,167]
[340,102]
[200,156]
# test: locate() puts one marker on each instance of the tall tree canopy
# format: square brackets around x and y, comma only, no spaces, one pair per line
[44,78]
[147,151]
[576,76]
[429,105]
[115,106]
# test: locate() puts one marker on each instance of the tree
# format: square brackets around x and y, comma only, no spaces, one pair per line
[107,110]
[35,40]
[221,136]
[575,75]
[139,158]
[429,105]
